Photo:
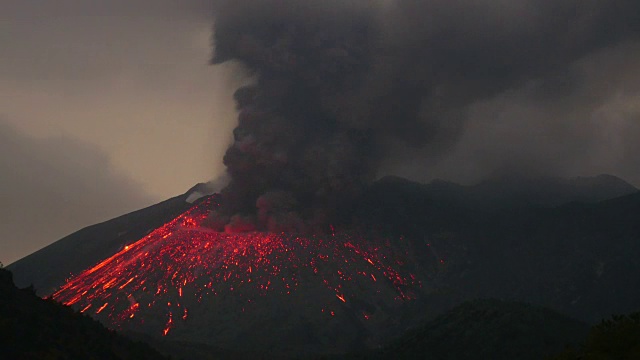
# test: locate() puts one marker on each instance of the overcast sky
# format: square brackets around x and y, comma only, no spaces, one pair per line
[107,106]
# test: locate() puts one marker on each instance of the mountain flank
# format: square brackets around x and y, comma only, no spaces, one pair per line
[49,267]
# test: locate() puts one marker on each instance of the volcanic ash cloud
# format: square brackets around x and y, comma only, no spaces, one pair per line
[339,84]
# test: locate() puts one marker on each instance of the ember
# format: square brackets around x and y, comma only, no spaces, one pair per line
[177,266]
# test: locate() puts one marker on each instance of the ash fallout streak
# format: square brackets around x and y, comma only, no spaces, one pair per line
[340,85]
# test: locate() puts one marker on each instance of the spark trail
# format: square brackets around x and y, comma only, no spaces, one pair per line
[183,272]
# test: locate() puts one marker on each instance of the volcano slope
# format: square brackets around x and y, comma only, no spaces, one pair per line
[284,293]
[48,268]
[570,258]
[276,293]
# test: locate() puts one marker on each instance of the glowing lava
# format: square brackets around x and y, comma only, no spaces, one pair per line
[184,272]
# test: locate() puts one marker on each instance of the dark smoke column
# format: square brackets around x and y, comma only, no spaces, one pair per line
[294,161]
[344,84]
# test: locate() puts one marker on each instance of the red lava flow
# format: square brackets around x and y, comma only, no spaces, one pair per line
[182,263]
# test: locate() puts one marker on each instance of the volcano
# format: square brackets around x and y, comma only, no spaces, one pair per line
[411,253]
[325,293]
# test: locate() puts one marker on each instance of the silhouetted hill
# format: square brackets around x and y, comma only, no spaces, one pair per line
[615,338]
[489,329]
[32,328]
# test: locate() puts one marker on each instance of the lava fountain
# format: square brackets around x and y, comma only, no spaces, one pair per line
[188,282]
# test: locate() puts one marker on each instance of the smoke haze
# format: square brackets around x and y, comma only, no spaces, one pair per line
[105,107]
[538,87]
[348,90]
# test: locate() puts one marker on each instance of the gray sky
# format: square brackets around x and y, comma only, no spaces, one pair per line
[586,127]
[107,106]
[110,106]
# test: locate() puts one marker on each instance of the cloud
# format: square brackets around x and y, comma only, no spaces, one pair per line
[458,90]
[132,77]
[583,122]
[343,86]
[51,187]
[176,9]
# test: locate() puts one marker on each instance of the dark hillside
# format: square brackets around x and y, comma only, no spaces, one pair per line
[489,329]
[569,257]
[615,338]
[32,328]
[579,259]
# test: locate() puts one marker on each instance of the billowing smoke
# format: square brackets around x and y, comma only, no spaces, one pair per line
[339,84]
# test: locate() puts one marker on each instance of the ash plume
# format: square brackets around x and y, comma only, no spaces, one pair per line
[340,84]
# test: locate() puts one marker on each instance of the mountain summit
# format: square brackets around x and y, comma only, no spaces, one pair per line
[410,252]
